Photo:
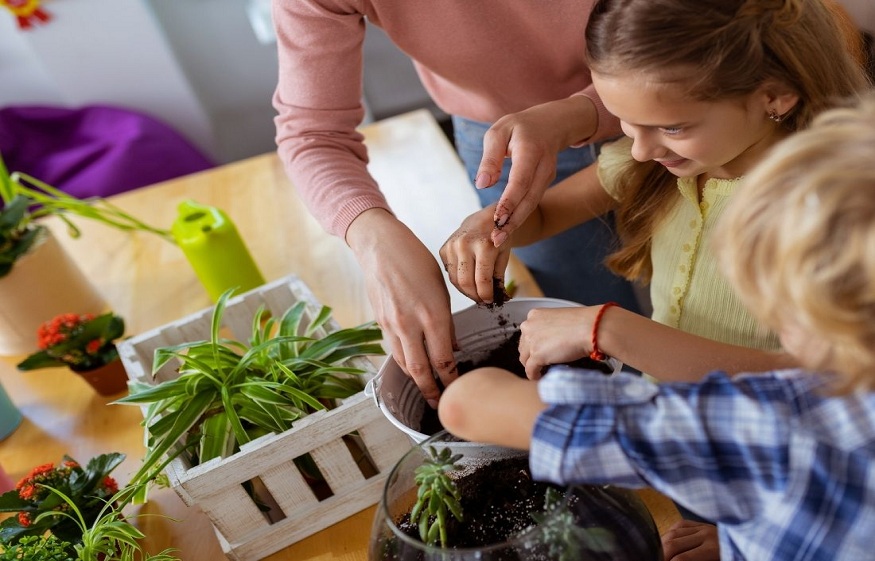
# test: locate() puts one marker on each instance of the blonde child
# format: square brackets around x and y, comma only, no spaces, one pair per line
[703,89]
[783,460]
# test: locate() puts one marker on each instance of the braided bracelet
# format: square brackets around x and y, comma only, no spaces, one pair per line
[596,354]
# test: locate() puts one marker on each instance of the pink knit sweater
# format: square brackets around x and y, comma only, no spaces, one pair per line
[479,59]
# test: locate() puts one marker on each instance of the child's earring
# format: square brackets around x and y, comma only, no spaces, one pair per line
[773,115]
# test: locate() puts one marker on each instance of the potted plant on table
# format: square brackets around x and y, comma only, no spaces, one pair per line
[38,279]
[273,437]
[447,499]
[67,511]
[86,345]
[88,487]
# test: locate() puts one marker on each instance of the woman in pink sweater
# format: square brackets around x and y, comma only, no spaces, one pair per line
[480,60]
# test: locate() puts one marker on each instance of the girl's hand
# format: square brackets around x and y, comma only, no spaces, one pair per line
[471,259]
[555,336]
[531,138]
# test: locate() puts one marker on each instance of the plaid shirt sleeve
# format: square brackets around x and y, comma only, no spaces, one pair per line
[786,471]
[719,446]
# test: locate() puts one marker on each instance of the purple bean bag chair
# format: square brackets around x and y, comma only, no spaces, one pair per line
[94,150]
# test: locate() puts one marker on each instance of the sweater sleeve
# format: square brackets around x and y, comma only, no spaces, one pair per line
[318,103]
[608,125]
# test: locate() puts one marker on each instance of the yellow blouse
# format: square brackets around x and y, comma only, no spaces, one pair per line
[687,290]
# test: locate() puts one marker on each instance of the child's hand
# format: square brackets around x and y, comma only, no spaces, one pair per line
[471,259]
[691,541]
[555,336]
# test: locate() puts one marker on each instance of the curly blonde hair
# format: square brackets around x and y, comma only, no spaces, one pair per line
[798,241]
[717,50]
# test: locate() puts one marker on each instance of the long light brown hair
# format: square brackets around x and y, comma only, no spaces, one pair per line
[717,50]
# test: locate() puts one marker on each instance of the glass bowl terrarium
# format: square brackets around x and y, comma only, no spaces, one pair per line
[448,500]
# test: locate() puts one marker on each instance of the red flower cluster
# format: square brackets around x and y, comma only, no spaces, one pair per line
[80,341]
[57,489]
[32,486]
[59,328]
[29,487]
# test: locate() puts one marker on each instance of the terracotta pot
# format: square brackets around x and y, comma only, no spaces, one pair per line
[42,284]
[109,379]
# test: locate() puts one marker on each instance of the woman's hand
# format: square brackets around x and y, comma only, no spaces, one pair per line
[555,336]
[472,261]
[532,139]
[409,298]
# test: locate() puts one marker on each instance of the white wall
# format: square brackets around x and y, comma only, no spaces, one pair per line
[125,52]
[195,64]
[198,65]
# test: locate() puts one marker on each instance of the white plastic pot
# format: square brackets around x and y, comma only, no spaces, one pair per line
[43,283]
[479,330]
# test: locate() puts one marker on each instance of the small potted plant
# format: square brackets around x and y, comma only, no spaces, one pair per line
[447,499]
[260,401]
[84,343]
[38,279]
[88,488]
[66,512]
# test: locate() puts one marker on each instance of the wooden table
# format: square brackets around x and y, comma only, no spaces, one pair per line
[148,281]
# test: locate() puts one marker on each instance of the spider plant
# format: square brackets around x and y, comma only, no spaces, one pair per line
[436,497]
[25,199]
[112,536]
[230,392]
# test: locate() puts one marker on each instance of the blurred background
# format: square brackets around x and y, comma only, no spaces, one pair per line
[205,67]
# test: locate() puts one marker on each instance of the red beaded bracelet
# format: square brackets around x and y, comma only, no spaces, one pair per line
[596,354]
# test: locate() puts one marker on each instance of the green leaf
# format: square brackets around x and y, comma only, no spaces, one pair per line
[38,360]
[11,502]
[182,423]
[145,393]
[233,418]
[217,437]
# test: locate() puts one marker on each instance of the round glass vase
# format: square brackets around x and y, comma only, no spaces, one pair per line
[505,513]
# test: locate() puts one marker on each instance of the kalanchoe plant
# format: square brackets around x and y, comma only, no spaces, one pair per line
[80,342]
[88,488]
[111,536]
[437,496]
[25,199]
[230,392]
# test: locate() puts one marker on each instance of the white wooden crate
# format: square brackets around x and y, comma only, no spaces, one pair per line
[216,487]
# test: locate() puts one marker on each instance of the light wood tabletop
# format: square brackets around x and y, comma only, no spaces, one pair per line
[149,283]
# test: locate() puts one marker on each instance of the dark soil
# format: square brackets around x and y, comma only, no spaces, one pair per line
[507,356]
[499,294]
[497,503]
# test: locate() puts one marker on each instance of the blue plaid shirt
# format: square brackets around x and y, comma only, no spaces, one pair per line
[786,471]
